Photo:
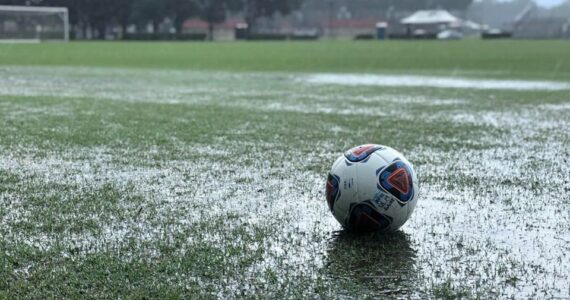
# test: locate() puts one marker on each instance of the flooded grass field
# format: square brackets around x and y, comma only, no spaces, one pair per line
[159,183]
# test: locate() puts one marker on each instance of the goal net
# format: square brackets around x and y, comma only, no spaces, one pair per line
[33,24]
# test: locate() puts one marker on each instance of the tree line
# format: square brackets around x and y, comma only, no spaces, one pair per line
[405,5]
[100,15]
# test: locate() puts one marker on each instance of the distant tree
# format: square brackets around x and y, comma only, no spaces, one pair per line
[214,12]
[179,11]
[448,4]
[71,5]
[17,2]
[99,15]
[90,14]
[255,9]
[123,12]
[145,11]
[94,14]
[409,5]
[155,11]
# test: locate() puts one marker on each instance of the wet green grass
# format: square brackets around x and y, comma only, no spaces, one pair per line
[129,183]
[94,123]
[523,59]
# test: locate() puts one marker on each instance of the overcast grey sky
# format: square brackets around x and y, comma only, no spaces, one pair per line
[546,3]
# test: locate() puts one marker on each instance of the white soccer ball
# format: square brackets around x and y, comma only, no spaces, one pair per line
[372,188]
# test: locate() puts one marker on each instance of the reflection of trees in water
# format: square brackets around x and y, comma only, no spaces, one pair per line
[372,264]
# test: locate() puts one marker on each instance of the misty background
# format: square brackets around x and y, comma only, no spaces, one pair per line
[306,19]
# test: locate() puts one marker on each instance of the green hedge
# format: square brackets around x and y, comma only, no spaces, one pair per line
[279,37]
[165,36]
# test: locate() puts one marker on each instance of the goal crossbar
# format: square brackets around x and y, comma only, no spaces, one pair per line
[33,9]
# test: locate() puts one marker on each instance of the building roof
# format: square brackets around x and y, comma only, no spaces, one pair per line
[430,17]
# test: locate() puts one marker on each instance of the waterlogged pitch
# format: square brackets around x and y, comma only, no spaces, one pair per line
[118,182]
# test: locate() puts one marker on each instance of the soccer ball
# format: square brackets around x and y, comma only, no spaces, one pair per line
[372,188]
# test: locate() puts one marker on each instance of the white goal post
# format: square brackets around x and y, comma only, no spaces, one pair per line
[33,23]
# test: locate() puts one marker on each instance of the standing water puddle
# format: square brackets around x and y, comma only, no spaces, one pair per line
[435,82]
[492,220]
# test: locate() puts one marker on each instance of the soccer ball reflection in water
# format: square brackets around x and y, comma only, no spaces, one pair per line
[372,188]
